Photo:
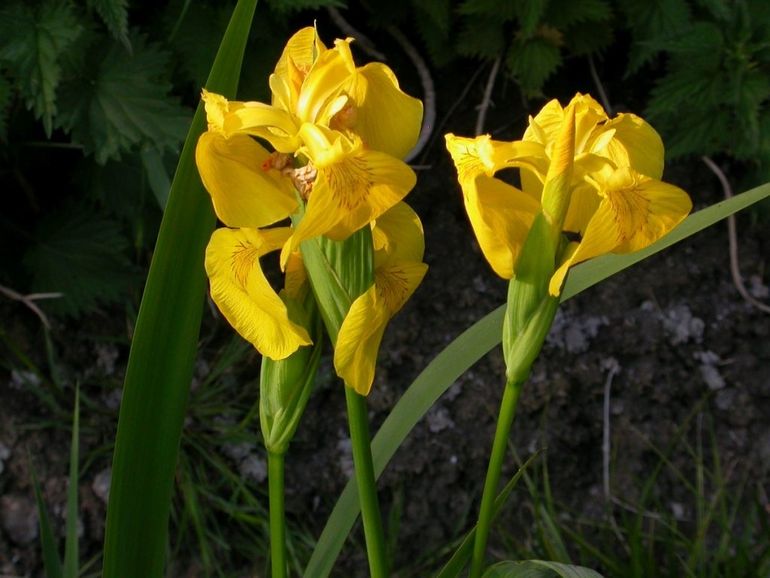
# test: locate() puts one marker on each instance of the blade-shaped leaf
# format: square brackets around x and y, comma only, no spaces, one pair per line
[463,553]
[467,349]
[71,556]
[538,569]
[160,364]
[51,560]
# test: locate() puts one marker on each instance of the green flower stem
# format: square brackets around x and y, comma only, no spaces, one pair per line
[277,522]
[339,272]
[486,511]
[367,486]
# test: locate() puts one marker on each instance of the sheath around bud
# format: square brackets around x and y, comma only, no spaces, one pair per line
[285,386]
[530,308]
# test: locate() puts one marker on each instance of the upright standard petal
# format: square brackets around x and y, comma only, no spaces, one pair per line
[545,127]
[244,193]
[296,61]
[386,118]
[323,85]
[243,294]
[635,144]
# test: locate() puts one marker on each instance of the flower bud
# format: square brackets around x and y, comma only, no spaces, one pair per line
[285,386]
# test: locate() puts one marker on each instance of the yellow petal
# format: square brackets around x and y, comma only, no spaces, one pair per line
[397,281]
[398,236]
[545,126]
[501,216]
[331,72]
[645,209]
[244,194]
[355,354]
[583,204]
[295,283]
[482,155]
[635,144]
[358,342]
[243,294]
[557,186]
[352,188]
[634,212]
[302,49]
[386,118]
[276,126]
[216,107]
[601,236]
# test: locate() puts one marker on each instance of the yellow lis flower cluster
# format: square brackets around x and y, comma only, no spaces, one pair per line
[338,134]
[594,178]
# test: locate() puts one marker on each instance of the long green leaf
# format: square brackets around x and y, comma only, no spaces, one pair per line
[51,560]
[71,555]
[471,346]
[539,569]
[162,354]
[463,553]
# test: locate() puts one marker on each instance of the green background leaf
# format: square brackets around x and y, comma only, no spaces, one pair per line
[121,101]
[32,39]
[81,254]
[114,13]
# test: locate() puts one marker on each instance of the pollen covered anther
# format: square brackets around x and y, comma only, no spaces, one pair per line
[277,161]
[303,179]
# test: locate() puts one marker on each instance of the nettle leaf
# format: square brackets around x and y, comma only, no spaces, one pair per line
[539,569]
[32,39]
[440,48]
[532,61]
[566,13]
[582,39]
[82,255]
[114,14]
[651,21]
[122,100]
[719,9]
[481,37]
[297,5]
[439,12]
[501,11]
[529,13]
[701,43]
[5,101]
[196,39]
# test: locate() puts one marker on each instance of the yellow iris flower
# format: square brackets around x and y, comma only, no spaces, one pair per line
[338,133]
[615,200]
[398,269]
[347,126]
